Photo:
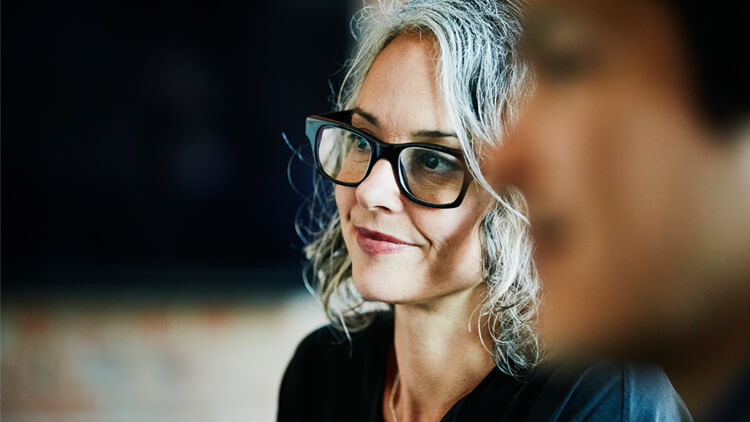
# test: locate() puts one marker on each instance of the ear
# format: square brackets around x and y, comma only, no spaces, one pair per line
[736,183]
[741,153]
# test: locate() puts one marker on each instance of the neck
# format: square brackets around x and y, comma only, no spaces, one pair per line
[704,371]
[437,358]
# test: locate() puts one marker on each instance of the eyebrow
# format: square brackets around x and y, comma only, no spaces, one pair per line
[432,134]
[367,116]
[417,135]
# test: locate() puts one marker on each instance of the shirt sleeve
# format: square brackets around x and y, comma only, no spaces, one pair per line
[611,392]
[648,395]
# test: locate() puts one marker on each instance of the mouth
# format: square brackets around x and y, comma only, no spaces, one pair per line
[377,243]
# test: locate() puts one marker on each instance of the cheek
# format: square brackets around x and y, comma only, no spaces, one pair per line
[455,240]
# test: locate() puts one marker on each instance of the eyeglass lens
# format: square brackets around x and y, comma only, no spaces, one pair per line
[431,176]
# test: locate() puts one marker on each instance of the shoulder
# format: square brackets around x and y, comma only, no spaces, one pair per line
[615,391]
[321,354]
[328,343]
[599,391]
[323,341]
[297,394]
[327,373]
[647,391]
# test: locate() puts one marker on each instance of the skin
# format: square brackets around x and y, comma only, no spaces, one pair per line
[638,208]
[435,283]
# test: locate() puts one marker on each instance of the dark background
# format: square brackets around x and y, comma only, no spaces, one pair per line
[142,147]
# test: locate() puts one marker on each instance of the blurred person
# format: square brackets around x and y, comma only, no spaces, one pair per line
[634,156]
[425,274]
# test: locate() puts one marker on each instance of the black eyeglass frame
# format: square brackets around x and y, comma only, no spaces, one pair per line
[341,119]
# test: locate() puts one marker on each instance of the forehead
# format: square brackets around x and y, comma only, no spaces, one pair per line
[637,41]
[401,88]
[608,10]
[615,20]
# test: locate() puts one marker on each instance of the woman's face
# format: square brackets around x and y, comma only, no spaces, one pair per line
[403,252]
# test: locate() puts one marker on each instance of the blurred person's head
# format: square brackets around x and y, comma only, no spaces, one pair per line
[634,157]
[420,225]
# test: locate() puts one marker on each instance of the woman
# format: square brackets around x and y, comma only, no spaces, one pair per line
[416,227]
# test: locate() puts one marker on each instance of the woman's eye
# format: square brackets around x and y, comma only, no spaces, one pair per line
[362,144]
[434,161]
[431,162]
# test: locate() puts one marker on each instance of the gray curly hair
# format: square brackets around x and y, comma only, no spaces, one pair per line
[483,81]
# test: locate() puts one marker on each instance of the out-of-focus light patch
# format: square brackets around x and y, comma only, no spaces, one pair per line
[145,362]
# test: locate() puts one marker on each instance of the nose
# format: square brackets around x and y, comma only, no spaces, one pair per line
[379,191]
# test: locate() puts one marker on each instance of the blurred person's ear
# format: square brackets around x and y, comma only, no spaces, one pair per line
[742,142]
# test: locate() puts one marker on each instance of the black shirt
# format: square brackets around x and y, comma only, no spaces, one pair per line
[332,379]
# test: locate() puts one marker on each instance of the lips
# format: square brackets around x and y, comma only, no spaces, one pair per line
[376,243]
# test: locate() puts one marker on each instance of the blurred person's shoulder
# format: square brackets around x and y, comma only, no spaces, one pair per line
[332,377]
[608,390]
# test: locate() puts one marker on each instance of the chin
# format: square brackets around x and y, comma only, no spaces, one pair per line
[388,287]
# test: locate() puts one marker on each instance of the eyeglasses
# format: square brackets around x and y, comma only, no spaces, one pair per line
[428,174]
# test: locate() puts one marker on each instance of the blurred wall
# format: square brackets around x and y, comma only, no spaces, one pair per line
[186,361]
[150,267]
[149,133]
